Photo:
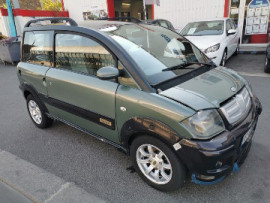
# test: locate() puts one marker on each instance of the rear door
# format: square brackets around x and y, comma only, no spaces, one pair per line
[37,51]
[75,94]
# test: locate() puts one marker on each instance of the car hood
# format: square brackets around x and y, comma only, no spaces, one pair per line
[204,42]
[208,90]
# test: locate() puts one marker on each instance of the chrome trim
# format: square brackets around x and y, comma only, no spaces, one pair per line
[237,107]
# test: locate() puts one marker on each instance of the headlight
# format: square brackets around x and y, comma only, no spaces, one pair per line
[212,48]
[204,124]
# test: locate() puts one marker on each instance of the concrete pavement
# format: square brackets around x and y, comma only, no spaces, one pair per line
[23,182]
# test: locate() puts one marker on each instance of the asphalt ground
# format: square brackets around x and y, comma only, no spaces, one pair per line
[101,170]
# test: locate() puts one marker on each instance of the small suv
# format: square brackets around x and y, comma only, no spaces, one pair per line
[144,89]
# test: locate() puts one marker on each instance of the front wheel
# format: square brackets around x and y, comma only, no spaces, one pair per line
[224,58]
[157,164]
[267,65]
[237,50]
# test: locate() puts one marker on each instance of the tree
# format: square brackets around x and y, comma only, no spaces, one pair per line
[3,5]
[51,5]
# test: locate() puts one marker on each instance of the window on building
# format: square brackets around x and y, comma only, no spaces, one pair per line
[81,54]
[38,47]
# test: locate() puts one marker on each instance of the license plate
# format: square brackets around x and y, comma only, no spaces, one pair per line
[247,137]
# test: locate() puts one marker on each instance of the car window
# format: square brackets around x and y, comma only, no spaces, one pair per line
[156,49]
[38,48]
[170,26]
[125,78]
[232,25]
[204,28]
[163,24]
[81,54]
[228,25]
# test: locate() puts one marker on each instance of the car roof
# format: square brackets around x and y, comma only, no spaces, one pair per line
[97,24]
[209,19]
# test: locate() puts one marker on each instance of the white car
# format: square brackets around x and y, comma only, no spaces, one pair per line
[218,38]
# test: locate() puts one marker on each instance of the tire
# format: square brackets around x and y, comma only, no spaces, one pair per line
[224,58]
[37,112]
[237,50]
[267,65]
[170,172]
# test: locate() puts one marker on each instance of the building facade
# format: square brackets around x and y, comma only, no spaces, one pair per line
[250,16]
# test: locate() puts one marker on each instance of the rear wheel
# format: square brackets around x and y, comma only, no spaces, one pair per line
[267,65]
[157,164]
[37,112]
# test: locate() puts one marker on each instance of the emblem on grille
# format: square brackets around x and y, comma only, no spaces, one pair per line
[233,89]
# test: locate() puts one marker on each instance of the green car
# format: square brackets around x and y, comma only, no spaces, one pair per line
[143,89]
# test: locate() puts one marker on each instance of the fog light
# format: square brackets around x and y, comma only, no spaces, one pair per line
[219,164]
[203,177]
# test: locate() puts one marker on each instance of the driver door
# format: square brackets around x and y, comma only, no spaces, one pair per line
[75,93]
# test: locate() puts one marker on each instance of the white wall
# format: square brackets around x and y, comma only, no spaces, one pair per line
[77,7]
[180,12]
[20,22]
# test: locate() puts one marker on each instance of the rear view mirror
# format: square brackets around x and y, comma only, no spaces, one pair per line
[107,73]
[231,32]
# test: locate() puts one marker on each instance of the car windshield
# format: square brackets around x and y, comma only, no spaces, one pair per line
[204,28]
[160,53]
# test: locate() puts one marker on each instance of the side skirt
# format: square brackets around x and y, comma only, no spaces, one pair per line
[121,148]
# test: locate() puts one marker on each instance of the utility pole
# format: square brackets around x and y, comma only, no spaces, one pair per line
[11,19]
[144,9]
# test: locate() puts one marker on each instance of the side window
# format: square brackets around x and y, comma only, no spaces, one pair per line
[38,47]
[81,54]
[170,26]
[125,78]
[228,26]
[232,25]
[163,24]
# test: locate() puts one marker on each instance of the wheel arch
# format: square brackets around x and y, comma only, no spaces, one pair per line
[139,126]
[30,90]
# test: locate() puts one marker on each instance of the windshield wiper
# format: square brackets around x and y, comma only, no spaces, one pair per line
[185,65]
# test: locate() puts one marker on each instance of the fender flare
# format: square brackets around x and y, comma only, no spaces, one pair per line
[29,88]
[147,126]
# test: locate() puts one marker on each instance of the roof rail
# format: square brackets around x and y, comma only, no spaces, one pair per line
[122,18]
[53,20]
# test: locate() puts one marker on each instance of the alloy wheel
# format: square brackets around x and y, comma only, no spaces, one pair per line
[154,164]
[35,111]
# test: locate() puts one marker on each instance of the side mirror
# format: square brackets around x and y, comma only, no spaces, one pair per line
[107,73]
[231,32]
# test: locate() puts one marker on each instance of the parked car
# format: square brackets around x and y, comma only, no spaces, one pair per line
[145,90]
[267,60]
[217,38]
[161,22]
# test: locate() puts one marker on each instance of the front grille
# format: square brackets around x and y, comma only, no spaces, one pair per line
[237,107]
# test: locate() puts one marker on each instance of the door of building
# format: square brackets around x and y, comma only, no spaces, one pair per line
[128,8]
[252,19]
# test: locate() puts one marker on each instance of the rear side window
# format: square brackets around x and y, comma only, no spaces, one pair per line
[38,47]
[81,54]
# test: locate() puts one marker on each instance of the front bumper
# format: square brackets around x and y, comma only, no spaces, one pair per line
[212,160]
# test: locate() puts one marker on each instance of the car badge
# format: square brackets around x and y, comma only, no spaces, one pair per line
[233,89]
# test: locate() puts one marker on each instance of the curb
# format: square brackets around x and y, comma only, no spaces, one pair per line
[37,184]
[252,52]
